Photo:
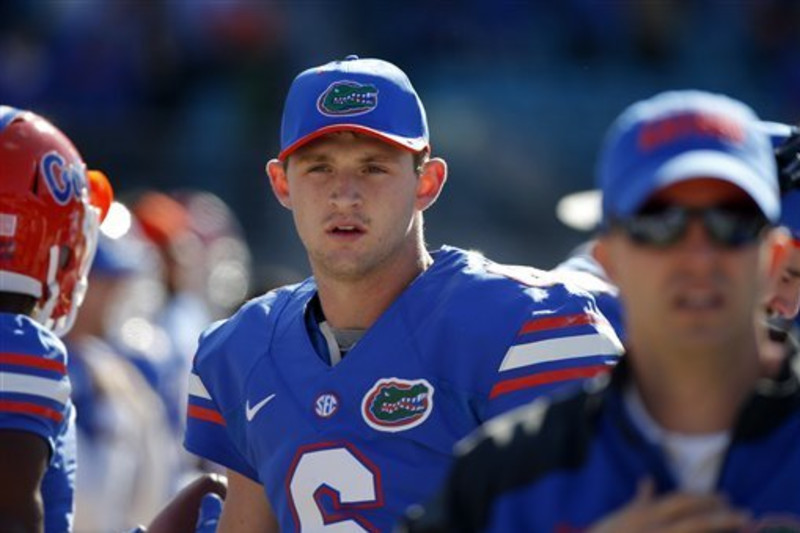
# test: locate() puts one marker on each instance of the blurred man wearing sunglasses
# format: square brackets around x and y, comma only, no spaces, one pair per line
[781,300]
[686,434]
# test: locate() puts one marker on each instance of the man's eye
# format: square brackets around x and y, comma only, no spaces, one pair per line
[318,168]
[374,169]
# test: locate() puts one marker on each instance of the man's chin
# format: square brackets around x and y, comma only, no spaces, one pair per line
[772,355]
[778,328]
[344,269]
[777,336]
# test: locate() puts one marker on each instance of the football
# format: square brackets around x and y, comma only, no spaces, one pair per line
[180,514]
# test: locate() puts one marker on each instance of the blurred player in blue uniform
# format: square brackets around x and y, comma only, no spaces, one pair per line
[335,403]
[50,210]
[582,269]
[687,434]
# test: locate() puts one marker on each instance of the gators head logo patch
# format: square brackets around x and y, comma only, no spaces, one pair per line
[347,98]
[395,404]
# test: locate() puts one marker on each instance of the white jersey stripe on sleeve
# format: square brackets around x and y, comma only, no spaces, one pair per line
[549,350]
[196,387]
[54,389]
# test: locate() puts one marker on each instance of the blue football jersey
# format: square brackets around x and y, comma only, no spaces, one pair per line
[350,446]
[34,397]
[583,270]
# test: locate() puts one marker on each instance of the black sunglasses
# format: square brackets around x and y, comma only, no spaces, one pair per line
[662,226]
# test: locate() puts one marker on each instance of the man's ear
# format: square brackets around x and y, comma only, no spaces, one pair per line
[601,253]
[276,171]
[779,243]
[431,182]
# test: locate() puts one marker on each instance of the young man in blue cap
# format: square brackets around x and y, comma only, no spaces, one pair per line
[335,403]
[686,435]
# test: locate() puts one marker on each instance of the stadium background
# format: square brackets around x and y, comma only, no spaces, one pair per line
[168,95]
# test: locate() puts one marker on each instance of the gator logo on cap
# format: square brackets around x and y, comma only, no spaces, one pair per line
[395,404]
[347,98]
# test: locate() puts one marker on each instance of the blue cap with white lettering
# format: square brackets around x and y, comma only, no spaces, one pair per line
[681,135]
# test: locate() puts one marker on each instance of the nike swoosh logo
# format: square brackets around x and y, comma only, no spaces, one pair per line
[250,412]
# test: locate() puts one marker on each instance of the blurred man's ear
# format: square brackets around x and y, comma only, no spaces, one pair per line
[601,254]
[779,244]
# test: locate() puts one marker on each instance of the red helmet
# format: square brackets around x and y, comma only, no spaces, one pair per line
[50,212]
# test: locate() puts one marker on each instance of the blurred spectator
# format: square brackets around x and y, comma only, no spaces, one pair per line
[205,274]
[191,263]
[125,451]
[184,92]
[183,313]
[226,273]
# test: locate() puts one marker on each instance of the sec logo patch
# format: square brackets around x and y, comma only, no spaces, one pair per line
[326,405]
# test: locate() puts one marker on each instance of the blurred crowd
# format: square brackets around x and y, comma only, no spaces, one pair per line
[187,94]
[166,266]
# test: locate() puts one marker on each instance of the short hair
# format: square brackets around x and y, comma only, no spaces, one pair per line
[16,303]
[420,158]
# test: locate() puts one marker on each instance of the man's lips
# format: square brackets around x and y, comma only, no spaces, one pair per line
[698,300]
[345,227]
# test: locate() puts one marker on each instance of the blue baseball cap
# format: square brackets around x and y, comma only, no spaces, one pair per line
[682,135]
[369,96]
[115,258]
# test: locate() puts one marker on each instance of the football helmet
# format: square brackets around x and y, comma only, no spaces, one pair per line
[50,211]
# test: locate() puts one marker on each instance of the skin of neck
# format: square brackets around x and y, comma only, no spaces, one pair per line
[358,303]
[695,390]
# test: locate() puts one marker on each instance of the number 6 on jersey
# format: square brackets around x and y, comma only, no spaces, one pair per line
[328,484]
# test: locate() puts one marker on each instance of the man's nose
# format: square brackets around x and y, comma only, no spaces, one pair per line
[346,191]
